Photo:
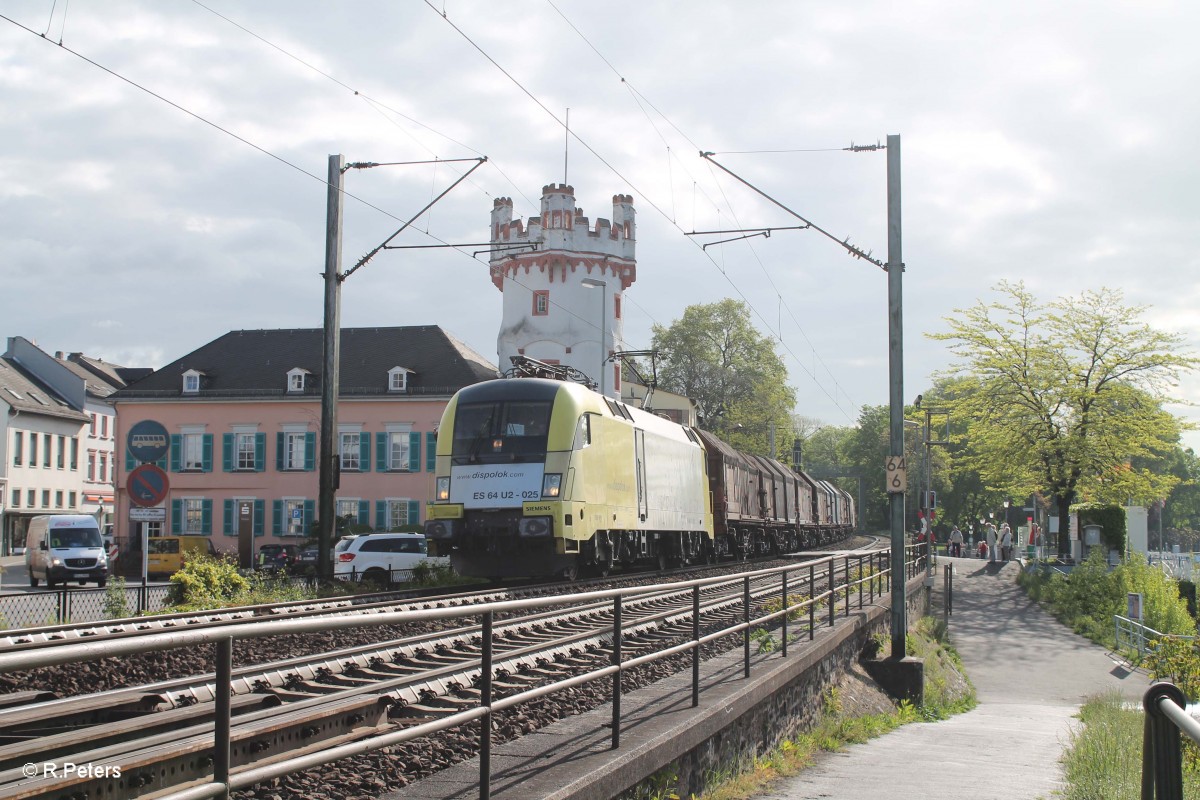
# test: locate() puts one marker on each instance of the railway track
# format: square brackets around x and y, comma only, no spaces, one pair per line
[161,734]
[53,635]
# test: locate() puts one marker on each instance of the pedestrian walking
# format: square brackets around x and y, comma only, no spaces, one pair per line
[991,541]
[956,542]
[1006,542]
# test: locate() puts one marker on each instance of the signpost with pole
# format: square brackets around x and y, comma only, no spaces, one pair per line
[147,485]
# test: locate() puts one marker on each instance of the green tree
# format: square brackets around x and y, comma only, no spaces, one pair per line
[1061,396]
[866,449]
[735,375]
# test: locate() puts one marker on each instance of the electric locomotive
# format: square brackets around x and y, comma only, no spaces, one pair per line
[544,477]
[536,476]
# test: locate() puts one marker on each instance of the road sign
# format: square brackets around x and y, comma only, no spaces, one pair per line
[155,514]
[147,486]
[897,475]
[148,441]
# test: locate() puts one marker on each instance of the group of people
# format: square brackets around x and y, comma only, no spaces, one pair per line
[995,544]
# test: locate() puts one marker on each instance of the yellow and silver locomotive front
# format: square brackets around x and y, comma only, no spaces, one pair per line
[503,454]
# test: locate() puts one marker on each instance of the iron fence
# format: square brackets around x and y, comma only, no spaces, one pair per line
[869,578]
[1162,754]
[62,606]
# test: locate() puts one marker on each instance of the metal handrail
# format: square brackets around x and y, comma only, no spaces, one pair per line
[1162,759]
[873,573]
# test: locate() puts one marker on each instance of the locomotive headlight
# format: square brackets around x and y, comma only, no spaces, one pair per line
[551,484]
[443,488]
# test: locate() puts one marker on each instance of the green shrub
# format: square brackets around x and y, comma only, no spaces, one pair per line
[206,582]
[1111,519]
[116,603]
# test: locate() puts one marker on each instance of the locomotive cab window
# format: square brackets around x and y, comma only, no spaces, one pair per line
[501,430]
[583,433]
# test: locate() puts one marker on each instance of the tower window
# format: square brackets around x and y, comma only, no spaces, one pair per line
[541,302]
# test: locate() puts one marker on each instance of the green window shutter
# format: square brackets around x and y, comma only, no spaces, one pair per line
[227,452]
[414,452]
[129,462]
[260,508]
[310,515]
[229,513]
[381,452]
[414,512]
[279,451]
[277,517]
[208,454]
[380,515]
[206,517]
[176,452]
[364,512]
[260,452]
[161,463]
[176,516]
[430,451]
[310,451]
[364,451]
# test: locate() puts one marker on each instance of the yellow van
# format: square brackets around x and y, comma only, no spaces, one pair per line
[166,555]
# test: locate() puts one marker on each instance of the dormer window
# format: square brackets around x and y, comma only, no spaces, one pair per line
[191,381]
[398,379]
[296,379]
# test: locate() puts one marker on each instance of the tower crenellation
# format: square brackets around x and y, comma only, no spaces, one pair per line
[563,295]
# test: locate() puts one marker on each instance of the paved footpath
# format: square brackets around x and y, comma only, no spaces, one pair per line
[1031,675]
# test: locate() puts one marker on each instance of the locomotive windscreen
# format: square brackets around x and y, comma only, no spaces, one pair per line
[501,431]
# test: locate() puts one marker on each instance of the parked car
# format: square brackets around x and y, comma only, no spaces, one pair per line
[277,558]
[309,556]
[374,556]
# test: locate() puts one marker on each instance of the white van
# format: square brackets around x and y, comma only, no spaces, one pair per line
[60,548]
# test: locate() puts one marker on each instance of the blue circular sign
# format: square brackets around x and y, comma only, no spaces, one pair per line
[148,441]
[147,486]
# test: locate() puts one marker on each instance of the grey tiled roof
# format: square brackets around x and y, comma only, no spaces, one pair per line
[256,363]
[98,386]
[28,395]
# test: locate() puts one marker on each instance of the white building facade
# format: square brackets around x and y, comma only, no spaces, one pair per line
[563,282]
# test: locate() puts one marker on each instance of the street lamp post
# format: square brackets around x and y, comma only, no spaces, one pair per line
[593,283]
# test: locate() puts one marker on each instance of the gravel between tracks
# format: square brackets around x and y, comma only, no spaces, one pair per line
[369,775]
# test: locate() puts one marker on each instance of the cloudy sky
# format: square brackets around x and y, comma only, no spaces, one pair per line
[161,174]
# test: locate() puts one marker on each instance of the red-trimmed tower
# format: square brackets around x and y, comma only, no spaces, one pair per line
[554,295]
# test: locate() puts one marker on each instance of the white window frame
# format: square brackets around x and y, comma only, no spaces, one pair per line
[398,379]
[350,450]
[289,527]
[191,457]
[397,506]
[293,449]
[245,459]
[397,454]
[191,381]
[191,512]
[296,379]
[346,507]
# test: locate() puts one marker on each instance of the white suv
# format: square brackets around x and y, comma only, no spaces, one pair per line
[377,557]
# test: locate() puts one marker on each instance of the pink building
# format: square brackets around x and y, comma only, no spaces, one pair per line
[243,416]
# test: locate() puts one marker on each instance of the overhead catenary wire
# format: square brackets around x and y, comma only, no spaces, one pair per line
[642,102]
[656,207]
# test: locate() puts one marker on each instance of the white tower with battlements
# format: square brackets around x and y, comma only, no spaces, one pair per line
[562,298]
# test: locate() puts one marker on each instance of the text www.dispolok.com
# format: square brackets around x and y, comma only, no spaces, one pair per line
[69,769]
